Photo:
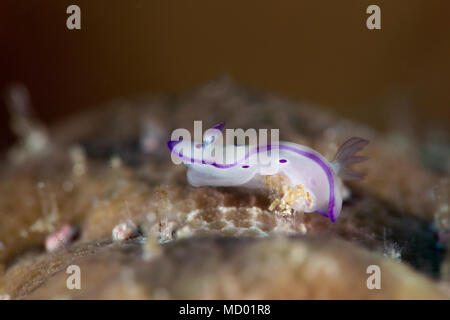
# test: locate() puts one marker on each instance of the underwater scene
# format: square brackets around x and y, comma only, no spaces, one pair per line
[199,150]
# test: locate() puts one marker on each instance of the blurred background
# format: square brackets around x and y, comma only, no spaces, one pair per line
[311,50]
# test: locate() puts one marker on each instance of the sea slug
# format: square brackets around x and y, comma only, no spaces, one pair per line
[309,179]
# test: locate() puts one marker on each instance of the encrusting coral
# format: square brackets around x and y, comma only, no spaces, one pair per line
[213,242]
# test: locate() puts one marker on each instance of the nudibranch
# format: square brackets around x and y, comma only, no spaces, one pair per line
[310,180]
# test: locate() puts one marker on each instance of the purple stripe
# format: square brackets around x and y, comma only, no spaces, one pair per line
[309,155]
[328,171]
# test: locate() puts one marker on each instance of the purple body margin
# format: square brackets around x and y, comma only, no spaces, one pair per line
[326,168]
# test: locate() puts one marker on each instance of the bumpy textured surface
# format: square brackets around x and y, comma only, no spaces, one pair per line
[111,166]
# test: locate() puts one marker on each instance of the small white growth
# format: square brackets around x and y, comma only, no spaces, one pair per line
[79,162]
[33,137]
[50,211]
[392,251]
[125,230]
[303,229]
[115,162]
[161,231]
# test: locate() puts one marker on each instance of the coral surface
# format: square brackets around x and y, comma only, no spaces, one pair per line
[109,169]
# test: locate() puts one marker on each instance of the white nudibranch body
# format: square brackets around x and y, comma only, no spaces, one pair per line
[309,178]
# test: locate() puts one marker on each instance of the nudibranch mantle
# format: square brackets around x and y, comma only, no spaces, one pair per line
[303,169]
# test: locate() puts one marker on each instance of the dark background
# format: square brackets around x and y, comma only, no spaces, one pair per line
[316,51]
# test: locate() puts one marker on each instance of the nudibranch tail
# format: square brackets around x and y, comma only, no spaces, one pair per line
[346,155]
